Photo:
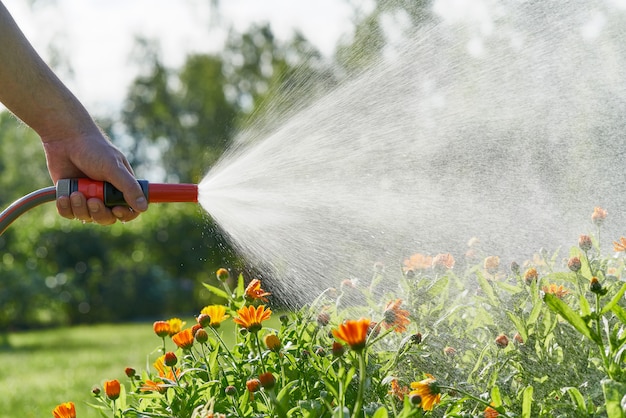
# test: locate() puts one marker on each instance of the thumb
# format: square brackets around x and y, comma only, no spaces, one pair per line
[130,188]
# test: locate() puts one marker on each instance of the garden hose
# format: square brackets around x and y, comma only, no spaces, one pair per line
[155,193]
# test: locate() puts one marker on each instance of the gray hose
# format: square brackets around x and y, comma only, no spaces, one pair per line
[24,204]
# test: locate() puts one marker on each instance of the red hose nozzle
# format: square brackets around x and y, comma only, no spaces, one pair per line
[155,193]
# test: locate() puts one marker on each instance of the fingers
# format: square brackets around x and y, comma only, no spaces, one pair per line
[76,206]
[128,185]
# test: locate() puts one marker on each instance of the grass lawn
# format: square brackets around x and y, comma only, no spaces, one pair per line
[41,369]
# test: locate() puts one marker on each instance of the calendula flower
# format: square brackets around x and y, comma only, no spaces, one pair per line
[531,275]
[112,389]
[417,262]
[620,246]
[394,317]
[585,243]
[492,264]
[152,386]
[502,341]
[272,342]
[428,390]
[598,216]
[251,318]
[65,410]
[161,328]
[443,262]
[254,291]
[353,333]
[398,391]
[176,325]
[184,339]
[490,412]
[163,370]
[558,291]
[217,314]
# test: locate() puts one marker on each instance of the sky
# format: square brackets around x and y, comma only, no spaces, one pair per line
[97,36]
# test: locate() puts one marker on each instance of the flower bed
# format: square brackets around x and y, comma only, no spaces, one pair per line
[544,339]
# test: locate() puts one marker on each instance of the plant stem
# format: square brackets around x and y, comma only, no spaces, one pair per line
[359,399]
[258,344]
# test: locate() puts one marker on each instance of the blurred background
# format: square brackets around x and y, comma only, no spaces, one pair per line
[171,83]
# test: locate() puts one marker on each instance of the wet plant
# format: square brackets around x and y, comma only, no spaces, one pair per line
[542,339]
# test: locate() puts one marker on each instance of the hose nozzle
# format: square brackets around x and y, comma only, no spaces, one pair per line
[154,192]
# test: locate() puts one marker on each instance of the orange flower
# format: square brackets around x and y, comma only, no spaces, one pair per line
[492,264]
[490,412]
[163,370]
[184,339]
[251,317]
[161,328]
[152,386]
[443,262]
[176,325]
[428,390]
[531,275]
[65,410]
[417,262]
[254,291]
[558,291]
[353,333]
[393,316]
[620,246]
[217,313]
[112,389]
[398,391]
[598,216]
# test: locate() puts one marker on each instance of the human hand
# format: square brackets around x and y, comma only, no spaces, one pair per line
[92,155]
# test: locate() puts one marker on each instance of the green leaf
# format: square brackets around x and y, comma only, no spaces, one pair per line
[527,401]
[577,398]
[613,394]
[614,300]
[495,396]
[534,313]
[620,313]
[486,287]
[216,291]
[519,325]
[510,288]
[438,286]
[575,320]
[240,286]
[381,413]
[585,308]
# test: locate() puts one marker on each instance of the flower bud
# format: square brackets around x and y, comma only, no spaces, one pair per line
[112,389]
[449,351]
[253,385]
[230,390]
[585,243]
[323,319]
[195,328]
[574,264]
[518,338]
[284,319]
[96,391]
[130,372]
[267,380]
[320,351]
[222,274]
[170,359]
[161,328]
[202,336]
[502,341]
[492,264]
[415,399]
[272,342]
[338,349]
[416,338]
[531,275]
[598,216]
[204,320]
[595,286]
[514,267]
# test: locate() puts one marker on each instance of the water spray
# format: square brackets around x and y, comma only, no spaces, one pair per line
[154,192]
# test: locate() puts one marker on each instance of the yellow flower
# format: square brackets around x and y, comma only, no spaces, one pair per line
[176,325]
[353,333]
[251,317]
[217,313]
[254,291]
[272,342]
[163,370]
[184,339]
[393,316]
[65,410]
[558,291]
[428,390]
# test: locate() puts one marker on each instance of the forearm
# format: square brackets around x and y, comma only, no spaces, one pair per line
[30,90]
